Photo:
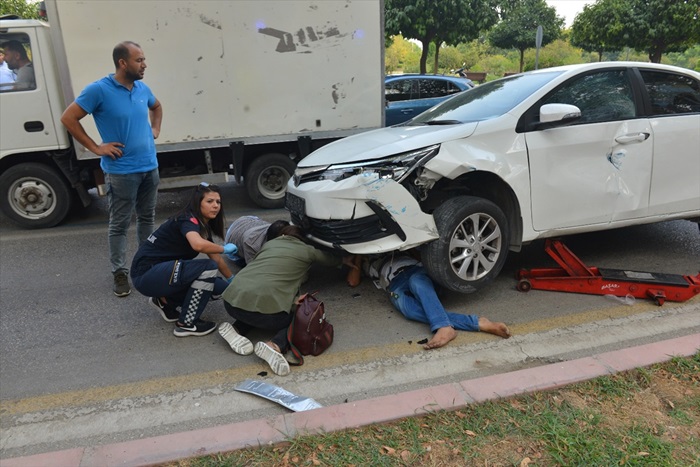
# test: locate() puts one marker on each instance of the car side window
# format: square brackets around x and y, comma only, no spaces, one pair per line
[452,88]
[432,88]
[16,69]
[602,97]
[399,90]
[670,93]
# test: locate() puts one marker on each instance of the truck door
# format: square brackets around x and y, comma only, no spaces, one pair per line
[25,111]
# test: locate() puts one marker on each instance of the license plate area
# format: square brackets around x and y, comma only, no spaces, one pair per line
[295,205]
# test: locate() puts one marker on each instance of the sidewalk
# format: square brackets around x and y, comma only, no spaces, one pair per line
[377,410]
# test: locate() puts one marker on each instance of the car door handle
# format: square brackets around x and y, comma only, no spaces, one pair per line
[638,138]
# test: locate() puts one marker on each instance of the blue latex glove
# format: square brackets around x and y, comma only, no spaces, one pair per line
[230,249]
[230,278]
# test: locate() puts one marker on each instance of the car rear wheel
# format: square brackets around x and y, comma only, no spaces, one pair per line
[472,247]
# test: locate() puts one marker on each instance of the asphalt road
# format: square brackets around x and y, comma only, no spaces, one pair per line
[79,366]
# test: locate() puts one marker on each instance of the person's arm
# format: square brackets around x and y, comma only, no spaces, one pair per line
[200,245]
[156,116]
[223,267]
[71,120]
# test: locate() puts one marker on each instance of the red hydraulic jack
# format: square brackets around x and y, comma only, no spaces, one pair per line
[575,276]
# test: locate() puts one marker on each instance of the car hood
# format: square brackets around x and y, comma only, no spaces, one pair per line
[385,142]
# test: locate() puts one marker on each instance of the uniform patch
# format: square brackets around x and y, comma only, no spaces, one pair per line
[194,220]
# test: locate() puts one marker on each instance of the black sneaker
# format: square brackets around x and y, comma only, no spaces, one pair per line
[198,328]
[167,311]
[121,284]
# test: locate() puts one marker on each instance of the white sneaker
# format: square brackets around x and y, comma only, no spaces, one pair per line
[276,360]
[238,343]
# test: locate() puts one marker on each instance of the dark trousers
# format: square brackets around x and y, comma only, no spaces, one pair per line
[185,283]
[247,320]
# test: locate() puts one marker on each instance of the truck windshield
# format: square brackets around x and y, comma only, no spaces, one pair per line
[486,101]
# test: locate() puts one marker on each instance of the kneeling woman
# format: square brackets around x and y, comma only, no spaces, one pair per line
[263,295]
[164,267]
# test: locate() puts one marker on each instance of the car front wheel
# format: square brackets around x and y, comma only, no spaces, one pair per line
[472,247]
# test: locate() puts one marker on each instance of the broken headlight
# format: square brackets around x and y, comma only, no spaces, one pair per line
[396,167]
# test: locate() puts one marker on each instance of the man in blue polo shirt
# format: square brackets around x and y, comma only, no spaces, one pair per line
[128,118]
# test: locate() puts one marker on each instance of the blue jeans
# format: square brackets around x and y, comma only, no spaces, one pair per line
[126,193]
[413,294]
[187,283]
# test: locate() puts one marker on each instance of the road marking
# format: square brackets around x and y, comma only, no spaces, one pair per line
[210,379]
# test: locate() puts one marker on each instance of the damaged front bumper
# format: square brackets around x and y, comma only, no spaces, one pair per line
[363,214]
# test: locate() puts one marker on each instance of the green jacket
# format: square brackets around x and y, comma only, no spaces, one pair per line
[270,283]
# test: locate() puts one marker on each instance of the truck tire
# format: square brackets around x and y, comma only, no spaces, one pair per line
[266,179]
[35,195]
[472,247]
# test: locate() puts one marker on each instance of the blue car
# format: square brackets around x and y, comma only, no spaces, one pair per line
[410,95]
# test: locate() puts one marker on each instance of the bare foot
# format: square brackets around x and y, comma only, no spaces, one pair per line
[499,329]
[441,338]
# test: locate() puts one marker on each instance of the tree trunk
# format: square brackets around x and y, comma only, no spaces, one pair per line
[522,60]
[600,55]
[424,56]
[655,55]
[437,53]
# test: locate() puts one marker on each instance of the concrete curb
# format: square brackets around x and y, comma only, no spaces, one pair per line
[371,411]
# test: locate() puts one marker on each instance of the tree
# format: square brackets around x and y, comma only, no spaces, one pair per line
[599,28]
[519,28]
[433,21]
[660,26]
[21,8]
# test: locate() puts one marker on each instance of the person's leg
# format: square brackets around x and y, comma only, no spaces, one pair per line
[121,194]
[278,322]
[163,295]
[146,198]
[273,350]
[200,274]
[414,295]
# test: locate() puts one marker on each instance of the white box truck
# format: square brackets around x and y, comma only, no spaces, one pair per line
[248,88]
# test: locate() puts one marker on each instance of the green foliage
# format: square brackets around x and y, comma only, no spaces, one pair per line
[651,26]
[21,8]
[660,26]
[518,30]
[599,28]
[435,22]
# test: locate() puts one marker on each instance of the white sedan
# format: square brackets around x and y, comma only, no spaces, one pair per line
[546,153]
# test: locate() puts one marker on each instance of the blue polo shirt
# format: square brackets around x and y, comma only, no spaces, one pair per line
[121,116]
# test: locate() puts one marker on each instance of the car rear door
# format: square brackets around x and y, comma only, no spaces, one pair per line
[599,169]
[674,102]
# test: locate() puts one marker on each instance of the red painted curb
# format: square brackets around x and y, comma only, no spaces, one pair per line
[360,413]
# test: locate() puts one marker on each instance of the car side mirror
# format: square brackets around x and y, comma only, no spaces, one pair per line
[552,115]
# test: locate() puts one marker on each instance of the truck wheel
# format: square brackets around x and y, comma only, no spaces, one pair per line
[472,247]
[266,179]
[34,195]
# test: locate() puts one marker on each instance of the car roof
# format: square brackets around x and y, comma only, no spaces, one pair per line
[454,79]
[621,64]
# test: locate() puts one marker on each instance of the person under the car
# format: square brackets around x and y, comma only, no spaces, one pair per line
[249,234]
[413,294]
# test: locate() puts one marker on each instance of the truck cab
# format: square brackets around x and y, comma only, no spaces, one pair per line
[33,139]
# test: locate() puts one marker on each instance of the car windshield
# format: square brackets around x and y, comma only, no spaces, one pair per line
[486,101]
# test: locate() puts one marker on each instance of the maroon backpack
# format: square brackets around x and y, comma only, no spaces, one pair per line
[309,333]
